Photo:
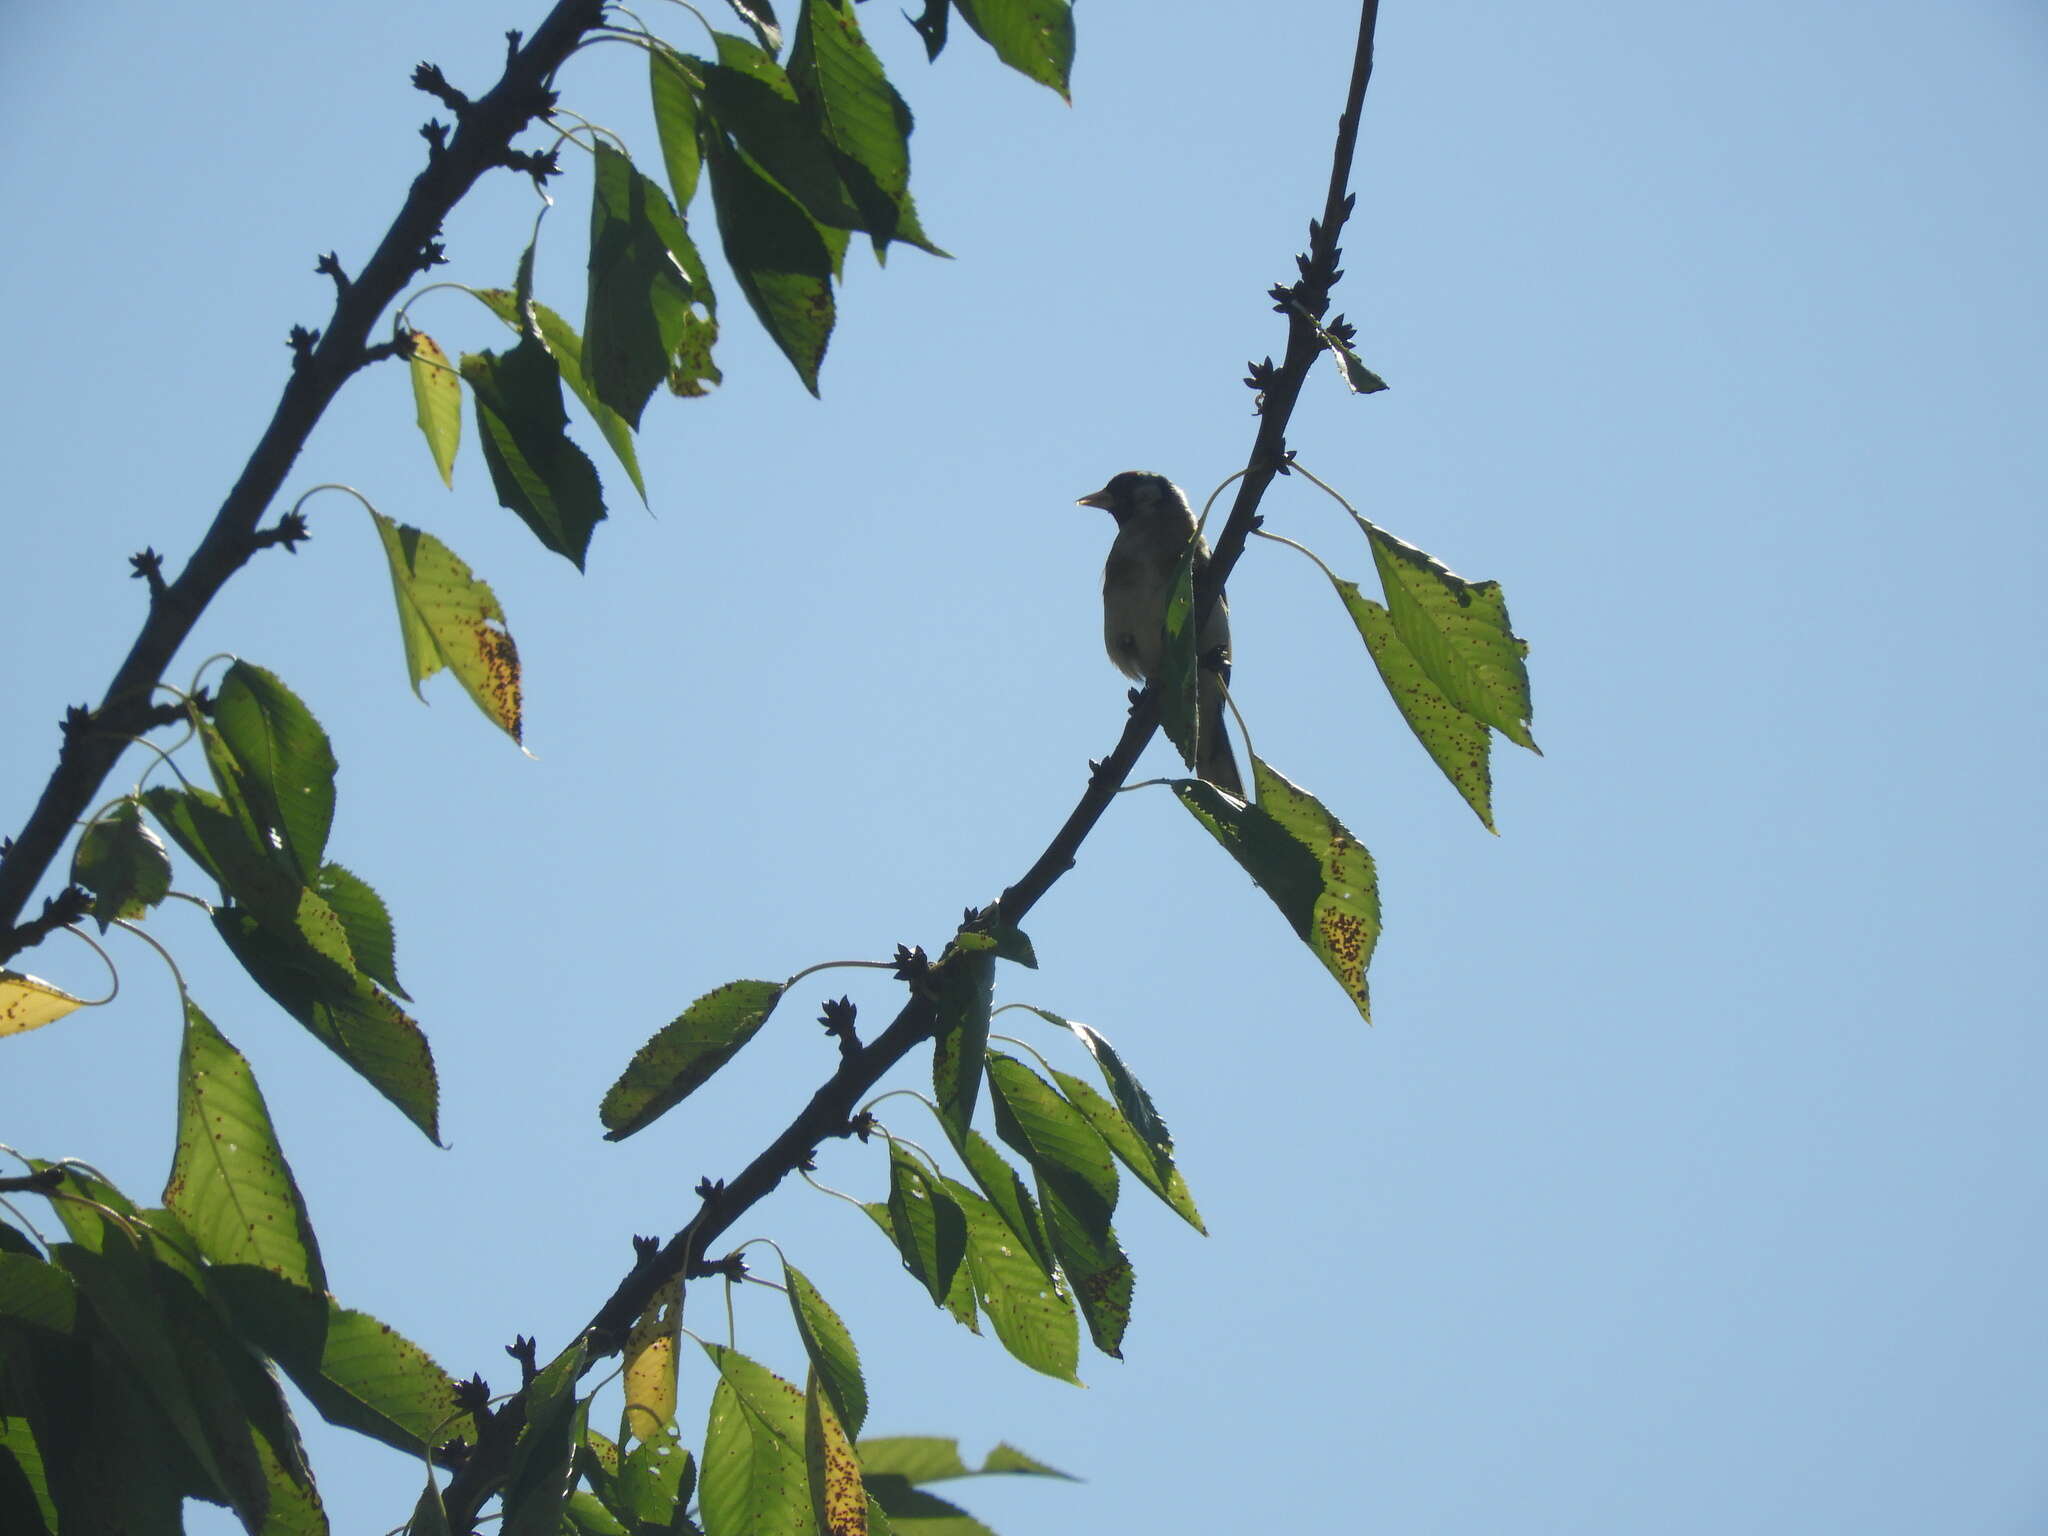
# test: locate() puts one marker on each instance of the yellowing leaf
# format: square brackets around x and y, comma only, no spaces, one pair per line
[26,1003]
[437,395]
[447,618]
[651,1363]
[838,1501]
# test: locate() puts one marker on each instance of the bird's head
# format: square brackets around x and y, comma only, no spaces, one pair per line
[1140,494]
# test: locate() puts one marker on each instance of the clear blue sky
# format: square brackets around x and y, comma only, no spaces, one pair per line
[1692,1179]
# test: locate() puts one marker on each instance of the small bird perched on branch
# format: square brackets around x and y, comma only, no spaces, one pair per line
[1153,526]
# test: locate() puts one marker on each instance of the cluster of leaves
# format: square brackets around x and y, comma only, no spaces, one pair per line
[799,154]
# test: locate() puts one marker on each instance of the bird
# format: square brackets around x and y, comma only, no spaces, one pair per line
[1153,527]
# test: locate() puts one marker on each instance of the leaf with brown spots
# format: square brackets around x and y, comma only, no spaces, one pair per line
[839,1504]
[1460,744]
[684,1053]
[1317,874]
[447,618]
[230,1183]
[437,400]
[27,1003]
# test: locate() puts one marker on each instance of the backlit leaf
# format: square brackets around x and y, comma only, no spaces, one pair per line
[27,1003]
[1033,37]
[437,399]
[447,618]
[684,1053]
[122,863]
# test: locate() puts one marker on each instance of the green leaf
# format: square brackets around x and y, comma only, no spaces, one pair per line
[778,257]
[1180,669]
[122,863]
[365,923]
[538,473]
[279,763]
[447,618]
[1056,1139]
[566,348]
[830,1348]
[344,1010]
[169,1341]
[927,1226]
[1458,743]
[1458,632]
[1004,1188]
[230,1183]
[1031,1311]
[538,1479]
[1317,874]
[1147,1148]
[760,15]
[962,985]
[656,1479]
[936,1459]
[684,1053]
[222,843]
[1151,1162]
[37,1293]
[863,121]
[639,297]
[370,1378]
[1033,37]
[585,1516]
[674,95]
[750,98]
[1095,1266]
[753,1481]
[437,399]
[1358,378]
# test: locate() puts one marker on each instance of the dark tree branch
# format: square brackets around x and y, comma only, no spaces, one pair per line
[323,362]
[830,1111]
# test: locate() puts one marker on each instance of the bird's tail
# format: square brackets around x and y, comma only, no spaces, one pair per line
[1213,758]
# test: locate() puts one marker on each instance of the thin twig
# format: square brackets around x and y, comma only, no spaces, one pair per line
[830,1110]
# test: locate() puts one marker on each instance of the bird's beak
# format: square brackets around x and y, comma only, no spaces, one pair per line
[1095,499]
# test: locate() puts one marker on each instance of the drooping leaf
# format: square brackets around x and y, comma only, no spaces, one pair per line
[537,1481]
[830,1348]
[122,863]
[230,1183]
[28,1003]
[365,924]
[1358,378]
[656,1479]
[760,15]
[778,258]
[437,399]
[1151,1162]
[222,842]
[753,1481]
[929,1231]
[1317,874]
[639,297]
[1142,1142]
[1033,37]
[751,99]
[1095,1265]
[673,92]
[281,765]
[839,1505]
[1004,1189]
[1030,1309]
[344,1010]
[1459,634]
[930,25]
[537,472]
[584,1515]
[447,618]
[684,1053]
[566,347]
[962,985]
[1063,1149]
[650,1378]
[1180,672]
[863,120]
[370,1378]
[921,1459]
[1459,744]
